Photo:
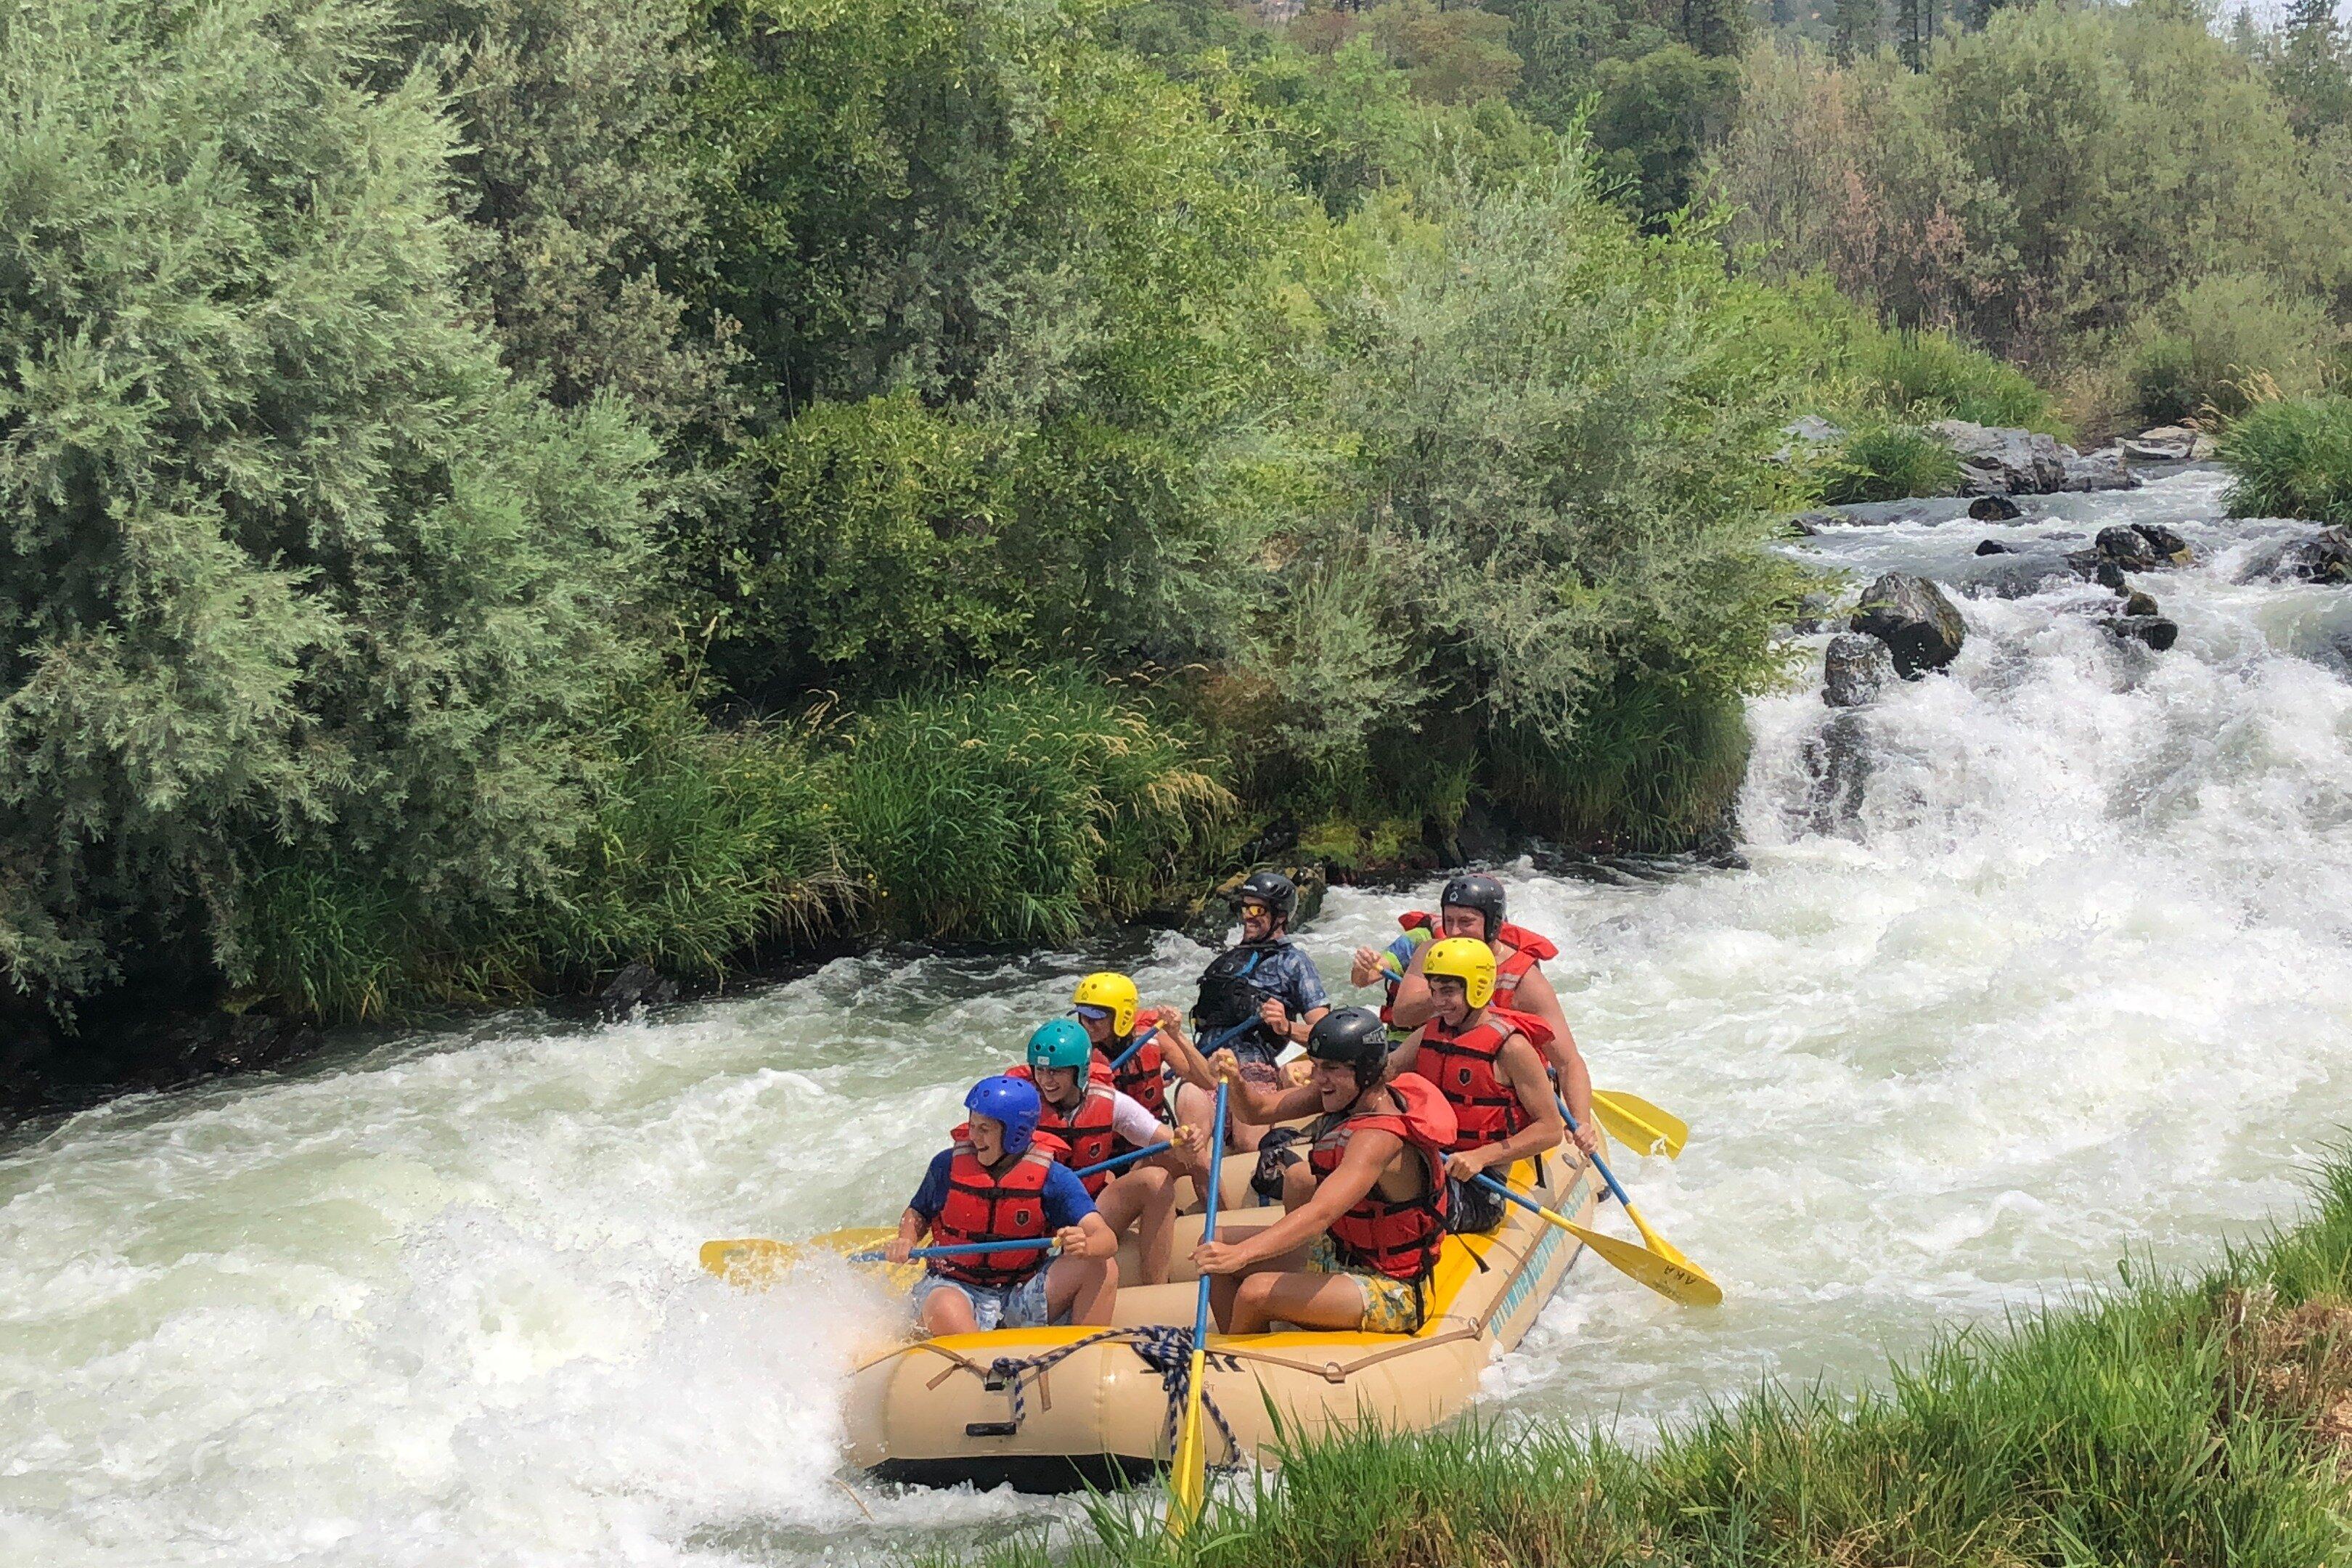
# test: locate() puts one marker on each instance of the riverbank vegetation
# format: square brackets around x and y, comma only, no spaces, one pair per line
[2292,458]
[499,490]
[2190,1422]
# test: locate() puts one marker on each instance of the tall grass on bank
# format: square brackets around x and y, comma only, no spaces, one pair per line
[2292,459]
[1013,811]
[2195,1425]
[1648,768]
[1923,376]
[1884,461]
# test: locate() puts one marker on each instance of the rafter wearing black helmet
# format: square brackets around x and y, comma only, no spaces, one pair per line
[1266,987]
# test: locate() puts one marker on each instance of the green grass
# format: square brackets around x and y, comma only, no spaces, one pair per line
[2292,459]
[1014,810]
[1879,461]
[1917,377]
[1648,768]
[2184,1423]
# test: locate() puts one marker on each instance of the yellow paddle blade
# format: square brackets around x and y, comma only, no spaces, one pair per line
[1676,1277]
[1639,1125]
[1188,1470]
[754,1261]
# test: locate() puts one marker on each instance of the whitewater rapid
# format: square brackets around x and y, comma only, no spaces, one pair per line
[2067,981]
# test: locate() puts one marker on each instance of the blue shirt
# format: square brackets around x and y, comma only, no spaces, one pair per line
[1066,1201]
[1285,972]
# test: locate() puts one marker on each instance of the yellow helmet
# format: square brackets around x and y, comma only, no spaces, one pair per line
[1116,992]
[1465,959]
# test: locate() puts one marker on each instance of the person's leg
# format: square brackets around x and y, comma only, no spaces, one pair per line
[1143,1204]
[945,1307]
[1311,1301]
[1081,1291]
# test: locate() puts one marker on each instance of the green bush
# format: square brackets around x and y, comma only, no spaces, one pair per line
[291,573]
[1890,462]
[1920,376]
[1649,767]
[2291,459]
[1013,811]
[2211,347]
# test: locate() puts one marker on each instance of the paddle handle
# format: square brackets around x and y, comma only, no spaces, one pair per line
[1141,1041]
[1599,1164]
[1128,1158]
[969,1249]
[1209,1213]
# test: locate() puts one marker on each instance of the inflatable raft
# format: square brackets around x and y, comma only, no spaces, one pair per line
[1050,1409]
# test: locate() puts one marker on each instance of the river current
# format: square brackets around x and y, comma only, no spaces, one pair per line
[2061,979]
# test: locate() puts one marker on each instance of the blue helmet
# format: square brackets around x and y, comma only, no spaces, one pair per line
[1062,1043]
[1011,1100]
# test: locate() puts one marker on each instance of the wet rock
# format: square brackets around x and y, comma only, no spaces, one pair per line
[1838,764]
[1994,547]
[2127,547]
[2139,603]
[1921,629]
[1806,524]
[1996,461]
[1816,613]
[2100,470]
[2321,557]
[636,985]
[1855,670]
[2108,575]
[1995,509]
[1806,434]
[2169,444]
[2168,548]
[2157,632]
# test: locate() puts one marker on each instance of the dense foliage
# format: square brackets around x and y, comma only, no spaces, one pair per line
[501,489]
[2293,459]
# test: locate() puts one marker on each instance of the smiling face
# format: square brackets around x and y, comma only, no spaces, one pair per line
[1450,998]
[1060,1085]
[1257,920]
[1460,920]
[987,1136]
[1097,1022]
[1335,1082]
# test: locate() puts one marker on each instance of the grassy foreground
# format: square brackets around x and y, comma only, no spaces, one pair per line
[2180,1423]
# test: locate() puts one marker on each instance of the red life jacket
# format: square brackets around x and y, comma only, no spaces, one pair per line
[1085,1129]
[1528,950]
[1143,1079]
[985,1206]
[1486,1109]
[1399,1239]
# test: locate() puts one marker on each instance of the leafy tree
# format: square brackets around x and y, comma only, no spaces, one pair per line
[1857,28]
[1657,119]
[290,568]
[1457,56]
[2313,68]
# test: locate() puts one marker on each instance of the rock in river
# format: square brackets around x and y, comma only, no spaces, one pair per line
[1855,670]
[1995,509]
[1994,547]
[2321,557]
[2156,631]
[1920,627]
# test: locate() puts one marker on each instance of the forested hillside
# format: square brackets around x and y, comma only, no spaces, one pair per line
[499,490]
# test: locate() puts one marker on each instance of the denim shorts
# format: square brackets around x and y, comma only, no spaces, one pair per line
[1020,1306]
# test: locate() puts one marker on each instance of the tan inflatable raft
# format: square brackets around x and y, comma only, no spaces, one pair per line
[1046,1409]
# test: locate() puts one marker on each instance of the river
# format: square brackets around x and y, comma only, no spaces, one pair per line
[2066,983]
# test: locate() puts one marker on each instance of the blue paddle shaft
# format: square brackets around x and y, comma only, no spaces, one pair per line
[1141,1040]
[1492,1185]
[1209,1212]
[1598,1163]
[1128,1158]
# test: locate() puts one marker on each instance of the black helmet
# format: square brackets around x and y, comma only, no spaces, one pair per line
[1354,1036]
[1272,888]
[1475,891]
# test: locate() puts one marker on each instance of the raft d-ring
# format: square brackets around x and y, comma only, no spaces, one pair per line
[1334,1373]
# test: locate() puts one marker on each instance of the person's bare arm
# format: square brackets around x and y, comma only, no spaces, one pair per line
[1403,1057]
[1523,1069]
[1537,996]
[1090,1237]
[1178,1051]
[1368,1154]
[912,1229]
[1264,1104]
[1413,1007]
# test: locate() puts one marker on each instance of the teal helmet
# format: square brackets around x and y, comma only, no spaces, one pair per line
[1060,1044]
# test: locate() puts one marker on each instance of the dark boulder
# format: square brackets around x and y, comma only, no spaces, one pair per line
[1921,629]
[2139,603]
[2156,631]
[1995,509]
[2108,575]
[636,985]
[1855,670]
[2127,547]
[2169,548]
[2321,557]
[1994,547]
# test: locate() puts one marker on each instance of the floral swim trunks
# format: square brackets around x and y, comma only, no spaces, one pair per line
[1390,1306]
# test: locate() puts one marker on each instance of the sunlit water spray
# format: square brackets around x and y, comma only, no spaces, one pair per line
[2063,979]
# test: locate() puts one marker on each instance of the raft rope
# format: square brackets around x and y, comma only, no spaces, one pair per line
[1165,1348]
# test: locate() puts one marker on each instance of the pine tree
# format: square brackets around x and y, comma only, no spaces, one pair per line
[1857,25]
[2314,74]
[1714,26]
[1911,32]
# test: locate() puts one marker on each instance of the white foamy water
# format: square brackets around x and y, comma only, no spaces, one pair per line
[2063,978]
